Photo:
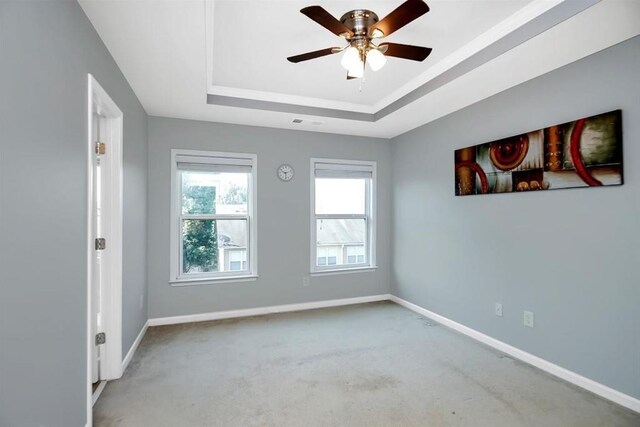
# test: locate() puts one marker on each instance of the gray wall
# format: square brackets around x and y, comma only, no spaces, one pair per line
[46,52]
[569,256]
[283,217]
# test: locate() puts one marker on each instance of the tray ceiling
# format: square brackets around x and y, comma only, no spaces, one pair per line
[225,60]
[252,40]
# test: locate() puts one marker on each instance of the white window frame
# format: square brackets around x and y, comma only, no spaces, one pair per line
[177,277]
[369,216]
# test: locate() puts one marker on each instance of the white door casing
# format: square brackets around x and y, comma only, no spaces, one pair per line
[104,220]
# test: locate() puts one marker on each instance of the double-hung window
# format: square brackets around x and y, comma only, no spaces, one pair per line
[213,233]
[343,220]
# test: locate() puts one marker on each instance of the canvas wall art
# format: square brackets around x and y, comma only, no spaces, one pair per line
[582,153]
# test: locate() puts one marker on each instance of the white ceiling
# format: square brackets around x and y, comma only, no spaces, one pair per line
[252,40]
[175,52]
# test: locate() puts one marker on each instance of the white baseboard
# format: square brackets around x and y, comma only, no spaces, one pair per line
[230,314]
[560,372]
[134,347]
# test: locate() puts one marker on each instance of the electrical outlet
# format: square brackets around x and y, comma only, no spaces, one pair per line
[305,281]
[528,319]
[498,309]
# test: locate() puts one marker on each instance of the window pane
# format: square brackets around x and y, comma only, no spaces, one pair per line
[214,192]
[335,234]
[206,242]
[199,246]
[232,242]
[340,196]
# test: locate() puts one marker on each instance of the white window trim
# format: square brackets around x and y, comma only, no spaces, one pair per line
[175,277]
[199,282]
[343,271]
[371,201]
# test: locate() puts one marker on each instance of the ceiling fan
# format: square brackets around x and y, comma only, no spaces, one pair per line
[359,28]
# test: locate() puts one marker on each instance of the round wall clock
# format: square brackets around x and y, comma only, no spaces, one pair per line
[285,172]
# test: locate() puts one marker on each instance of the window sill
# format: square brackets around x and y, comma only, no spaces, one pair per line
[368,269]
[212,281]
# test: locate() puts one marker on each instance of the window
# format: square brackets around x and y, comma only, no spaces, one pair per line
[237,259]
[355,254]
[343,224]
[213,222]
[327,255]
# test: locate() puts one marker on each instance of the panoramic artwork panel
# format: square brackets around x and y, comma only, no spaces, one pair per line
[582,153]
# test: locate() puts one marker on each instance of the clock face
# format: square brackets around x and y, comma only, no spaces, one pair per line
[285,172]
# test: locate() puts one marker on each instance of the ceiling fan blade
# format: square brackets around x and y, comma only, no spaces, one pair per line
[405,51]
[401,16]
[315,54]
[327,20]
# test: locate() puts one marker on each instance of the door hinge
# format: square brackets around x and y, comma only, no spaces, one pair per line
[101,244]
[101,148]
[101,338]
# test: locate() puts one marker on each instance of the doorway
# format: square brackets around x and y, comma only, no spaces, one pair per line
[104,241]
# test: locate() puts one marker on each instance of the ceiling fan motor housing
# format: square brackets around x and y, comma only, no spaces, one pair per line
[359,21]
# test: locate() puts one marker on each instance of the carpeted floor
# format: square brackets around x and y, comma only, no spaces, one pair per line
[366,365]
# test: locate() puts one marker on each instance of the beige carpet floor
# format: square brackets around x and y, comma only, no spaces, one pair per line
[374,364]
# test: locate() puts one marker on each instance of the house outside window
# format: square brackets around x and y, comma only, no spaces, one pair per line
[237,259]
[355,254]
[343,221]
[213,233]
[327,255]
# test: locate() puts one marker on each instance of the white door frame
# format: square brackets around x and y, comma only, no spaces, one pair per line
[110,294]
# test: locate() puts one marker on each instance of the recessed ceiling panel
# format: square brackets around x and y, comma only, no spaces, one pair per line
[252,39]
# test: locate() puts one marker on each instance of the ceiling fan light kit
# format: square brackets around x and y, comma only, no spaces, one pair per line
[359,28]
[351,58]
[376,59]
[356,72]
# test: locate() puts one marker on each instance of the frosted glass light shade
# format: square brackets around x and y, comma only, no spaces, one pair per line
[357,71]
[351,58]
[376,59]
